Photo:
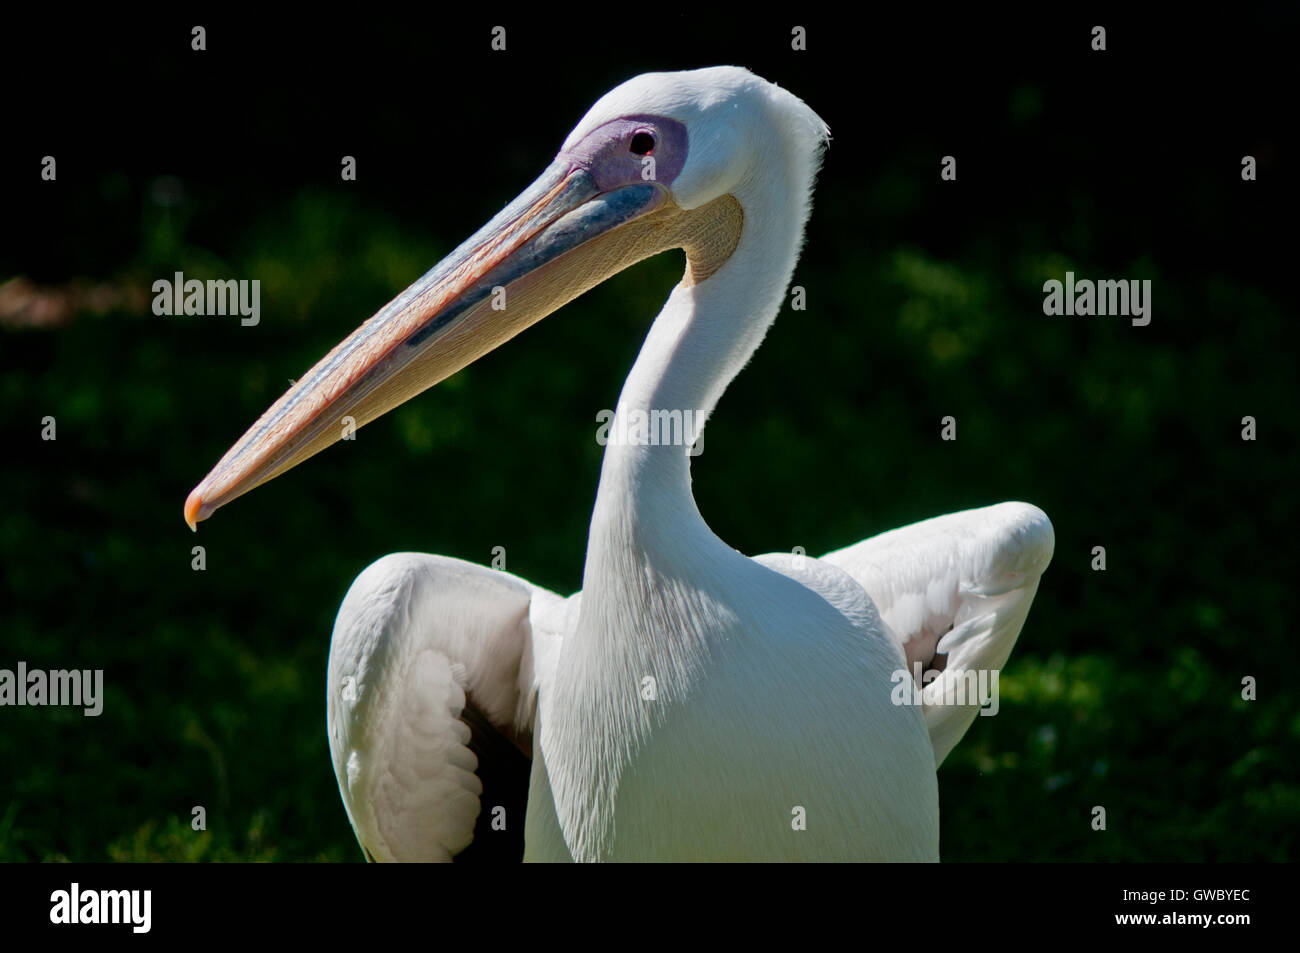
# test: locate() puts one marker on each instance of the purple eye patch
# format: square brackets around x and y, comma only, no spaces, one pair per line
[606,152]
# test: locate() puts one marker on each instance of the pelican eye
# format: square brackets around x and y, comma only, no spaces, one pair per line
[642,144]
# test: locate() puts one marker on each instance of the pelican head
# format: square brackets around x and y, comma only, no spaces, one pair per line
[663,161]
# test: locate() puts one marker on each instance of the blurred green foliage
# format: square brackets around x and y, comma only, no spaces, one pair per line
[1124,690]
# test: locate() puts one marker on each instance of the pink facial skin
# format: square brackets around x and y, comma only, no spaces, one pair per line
[607,152]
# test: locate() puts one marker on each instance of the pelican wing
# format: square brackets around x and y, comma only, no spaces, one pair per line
[955,590]
[432,692]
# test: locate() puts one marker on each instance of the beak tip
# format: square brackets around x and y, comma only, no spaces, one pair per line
[194,509]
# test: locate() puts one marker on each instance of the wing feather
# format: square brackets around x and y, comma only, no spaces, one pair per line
[425,647]
[955,590]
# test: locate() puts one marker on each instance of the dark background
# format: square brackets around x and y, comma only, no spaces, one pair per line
[924,299]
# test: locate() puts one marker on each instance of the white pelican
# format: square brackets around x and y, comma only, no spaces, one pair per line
[690,703]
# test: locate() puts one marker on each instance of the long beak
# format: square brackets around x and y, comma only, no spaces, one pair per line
[562,236]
